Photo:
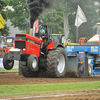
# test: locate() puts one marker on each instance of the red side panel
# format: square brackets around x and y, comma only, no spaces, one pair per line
[33,38]
[51,45]
[32,48]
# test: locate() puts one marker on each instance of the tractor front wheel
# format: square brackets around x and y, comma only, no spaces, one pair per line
[26,72]
[56,63]
[8,64]
[32,62]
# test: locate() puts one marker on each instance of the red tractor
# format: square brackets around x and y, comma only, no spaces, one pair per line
[33,58]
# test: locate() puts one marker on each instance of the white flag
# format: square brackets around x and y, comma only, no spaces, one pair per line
[80,17]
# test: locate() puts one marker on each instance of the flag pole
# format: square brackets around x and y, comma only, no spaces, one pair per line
[77,35]
[77,30]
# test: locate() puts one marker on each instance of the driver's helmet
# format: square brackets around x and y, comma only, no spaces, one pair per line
[42,31]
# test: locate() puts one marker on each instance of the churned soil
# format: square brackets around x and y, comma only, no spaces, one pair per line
[16,79]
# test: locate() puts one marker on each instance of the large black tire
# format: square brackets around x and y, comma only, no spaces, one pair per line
[8,64]
[56,63]
[26,72]
[32,63]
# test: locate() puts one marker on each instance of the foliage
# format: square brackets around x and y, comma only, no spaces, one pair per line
[89,8]
[18,15]
[54,16]
[3,13]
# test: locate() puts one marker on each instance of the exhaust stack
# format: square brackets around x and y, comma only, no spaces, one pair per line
[36,7]
[31,31]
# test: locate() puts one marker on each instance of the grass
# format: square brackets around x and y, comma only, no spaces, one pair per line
[10,90]
[12,70]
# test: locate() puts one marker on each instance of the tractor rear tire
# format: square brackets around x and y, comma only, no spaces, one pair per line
[26,72]
[56,63]
[8,64]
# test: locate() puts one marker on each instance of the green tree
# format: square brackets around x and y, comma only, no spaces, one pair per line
[54,19]
[90,10]
[88,7]
[18,15]
[5,30]
[54,16]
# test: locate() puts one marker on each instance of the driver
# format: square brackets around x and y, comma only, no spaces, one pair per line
[42,33]
[44,37]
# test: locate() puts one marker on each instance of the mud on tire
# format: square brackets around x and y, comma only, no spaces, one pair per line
[26,72]
[56,63]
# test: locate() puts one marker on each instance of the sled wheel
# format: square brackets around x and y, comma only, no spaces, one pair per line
[89,70]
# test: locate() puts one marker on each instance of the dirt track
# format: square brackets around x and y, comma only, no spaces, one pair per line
[15,79]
